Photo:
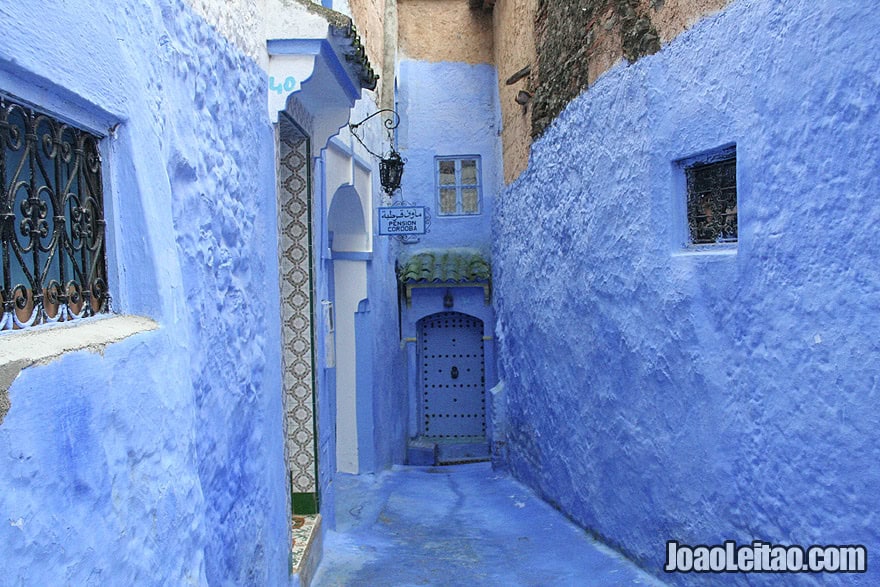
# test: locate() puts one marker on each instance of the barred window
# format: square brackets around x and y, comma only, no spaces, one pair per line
[51,220]
[458,185]
[711,199]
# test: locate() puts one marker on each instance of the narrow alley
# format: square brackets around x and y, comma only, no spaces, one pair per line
[278,278]
[459,525]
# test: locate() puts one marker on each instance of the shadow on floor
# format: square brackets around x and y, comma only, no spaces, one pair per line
[459,525]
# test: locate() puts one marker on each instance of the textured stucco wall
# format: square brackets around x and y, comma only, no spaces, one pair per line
[657,395]
[448,109]
[390,405]
[158,461]
[444,30]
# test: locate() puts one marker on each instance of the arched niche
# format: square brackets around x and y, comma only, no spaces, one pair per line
[346,222]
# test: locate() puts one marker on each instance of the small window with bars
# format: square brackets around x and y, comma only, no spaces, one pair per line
[52,249]
[711,198]
[458,185]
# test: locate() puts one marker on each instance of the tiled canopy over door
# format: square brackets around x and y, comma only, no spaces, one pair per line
[295,266]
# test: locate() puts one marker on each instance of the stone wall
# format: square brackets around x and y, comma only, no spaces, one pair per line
[159,460]
[568,45]
[660,393]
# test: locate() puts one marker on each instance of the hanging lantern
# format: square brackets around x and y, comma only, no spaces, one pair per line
[390,172]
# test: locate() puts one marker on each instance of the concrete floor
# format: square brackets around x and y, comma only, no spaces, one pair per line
[459,525]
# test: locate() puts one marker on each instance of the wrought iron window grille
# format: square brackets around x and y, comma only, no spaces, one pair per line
[711,199]
[52,248]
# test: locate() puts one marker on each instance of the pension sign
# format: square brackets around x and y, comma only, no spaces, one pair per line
[401,220]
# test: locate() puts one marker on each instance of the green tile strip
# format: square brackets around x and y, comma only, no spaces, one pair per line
[304,503]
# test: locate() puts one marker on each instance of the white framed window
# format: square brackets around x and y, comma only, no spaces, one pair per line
[459,188]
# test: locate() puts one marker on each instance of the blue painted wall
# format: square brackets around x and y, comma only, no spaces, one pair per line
[325,378]
[160,460]
[659,395]
[389,361]
[448,109]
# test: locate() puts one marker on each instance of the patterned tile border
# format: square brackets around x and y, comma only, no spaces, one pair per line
[296,308]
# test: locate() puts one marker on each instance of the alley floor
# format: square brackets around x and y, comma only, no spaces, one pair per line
[459,525]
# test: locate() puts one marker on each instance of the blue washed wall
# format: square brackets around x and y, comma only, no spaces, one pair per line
[657,395]
[160,460]
[447,109]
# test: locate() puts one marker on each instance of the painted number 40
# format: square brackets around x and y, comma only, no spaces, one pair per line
[287,86]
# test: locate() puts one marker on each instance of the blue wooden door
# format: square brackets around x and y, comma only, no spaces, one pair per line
[453,402]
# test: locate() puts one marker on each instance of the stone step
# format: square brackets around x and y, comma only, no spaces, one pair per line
[444,451]
[305,549]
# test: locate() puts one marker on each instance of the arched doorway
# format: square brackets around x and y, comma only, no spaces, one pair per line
[452,374]
[347,271]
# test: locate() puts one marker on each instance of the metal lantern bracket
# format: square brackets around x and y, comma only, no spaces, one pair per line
[390,165]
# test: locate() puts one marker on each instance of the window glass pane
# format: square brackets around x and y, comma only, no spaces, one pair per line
[470,203]
[447,201]
[469,172]
[447,172]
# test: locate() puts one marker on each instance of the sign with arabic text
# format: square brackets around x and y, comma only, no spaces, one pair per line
[402,220]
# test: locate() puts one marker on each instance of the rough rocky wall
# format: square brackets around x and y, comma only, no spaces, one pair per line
[160,460]
[577,41]
[444,30]
[656,393]
[222,168]
[240,21]
[672,17]
[514,28]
